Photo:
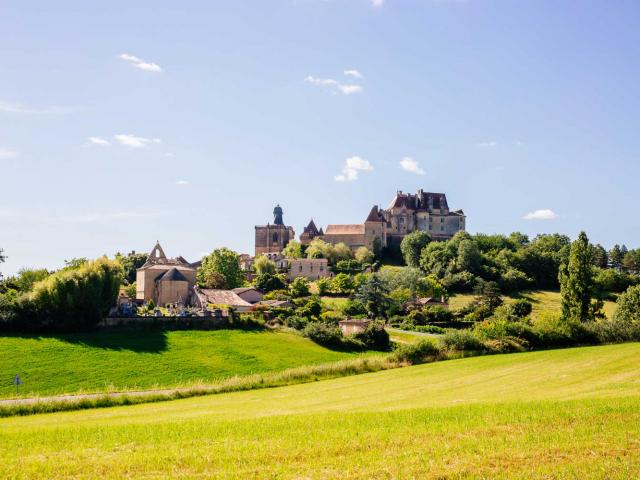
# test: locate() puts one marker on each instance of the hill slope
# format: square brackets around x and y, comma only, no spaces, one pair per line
[127,360]
[555,414]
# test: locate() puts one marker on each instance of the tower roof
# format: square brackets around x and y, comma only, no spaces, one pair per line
[374,215]
[311,228]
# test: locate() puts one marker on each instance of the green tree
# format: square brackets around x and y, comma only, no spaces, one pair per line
[130,264]
[263,265]
[342,284]
[631,261]
[628,307]
[299,287]
[78,298]
[412,246]
[293,250]
[364,255]
[323,285]
[488,295]
[269,282]
[75,263]
[341,252]
[222,261]
[3,258]
[600,256]
[28,277]
[577,282]
[374,294]
[214,280]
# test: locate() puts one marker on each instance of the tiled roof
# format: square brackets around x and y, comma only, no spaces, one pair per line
[354,229]
[172,275]
[223,297]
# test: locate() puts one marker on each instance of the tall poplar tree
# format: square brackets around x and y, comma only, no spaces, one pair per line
[577,284]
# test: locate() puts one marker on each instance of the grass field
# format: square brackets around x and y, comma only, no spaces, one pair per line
[103,361]
[543,301]
[569,413]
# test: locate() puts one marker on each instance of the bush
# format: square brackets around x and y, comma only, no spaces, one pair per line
[415,353]
[375,336]
[331,318]
[430,329]
[461,340]
[309,307]
[323,334]
[628,307]
[299,287]
[354,308]
[78,299]
[521,308]
[506,345]
[612,280]
[268,282]
[437,314]
[296,322]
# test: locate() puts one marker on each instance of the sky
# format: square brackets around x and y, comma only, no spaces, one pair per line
[123,123]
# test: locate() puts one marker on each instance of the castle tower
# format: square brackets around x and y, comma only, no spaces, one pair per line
[272,238]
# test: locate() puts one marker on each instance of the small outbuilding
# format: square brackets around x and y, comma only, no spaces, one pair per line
[249,294]
[351,326]
[432,302]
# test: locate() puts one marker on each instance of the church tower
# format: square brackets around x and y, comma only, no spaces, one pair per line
[272,238]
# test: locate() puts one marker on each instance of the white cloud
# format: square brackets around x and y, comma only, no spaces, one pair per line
[489,144]
[6,153]
[182,182]
[19,108]
[377,3]
[411,165]
[140,63]
[352,168]
[99,141]
[134,141]
[345,89]
[353,73]
[542,214]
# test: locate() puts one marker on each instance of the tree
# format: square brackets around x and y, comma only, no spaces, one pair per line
[268,282]
[224,262]
[616,256]
[628,307]
[78,298]
[3,258]
[488,295]
[75,263]
[341,252]
[299,287]
[631,261]
[374,294]
[293,250]
[130,264]
[364,255]
[342,284]
[263,265]
[28,277]
[600,256]
[469,257]
[577,283]
[412,246]
[323,285]
[214,280]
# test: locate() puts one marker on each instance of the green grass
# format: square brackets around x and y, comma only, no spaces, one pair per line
[542,300]
[107,361]
[569,413]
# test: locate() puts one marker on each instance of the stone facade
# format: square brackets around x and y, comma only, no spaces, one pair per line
[165,280]
[272,238]
[309,268]
[423,211]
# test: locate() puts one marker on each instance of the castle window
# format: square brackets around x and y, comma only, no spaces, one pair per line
[441,228]
[275,238]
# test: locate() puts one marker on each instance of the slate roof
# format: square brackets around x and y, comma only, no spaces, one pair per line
[223,297]
[375,215]
[172,275]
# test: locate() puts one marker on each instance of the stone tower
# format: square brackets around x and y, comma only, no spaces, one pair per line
[272,238]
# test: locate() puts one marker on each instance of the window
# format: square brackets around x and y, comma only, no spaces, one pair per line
[441,220]
[441,228]
[275,238]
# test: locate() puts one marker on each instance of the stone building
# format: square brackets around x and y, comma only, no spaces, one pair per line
[309,233]
[309,268]
[423,211]
[272,238]
[165,280]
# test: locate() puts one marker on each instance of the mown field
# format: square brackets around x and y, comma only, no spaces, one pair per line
[101,361]
[551,414]
[542,300]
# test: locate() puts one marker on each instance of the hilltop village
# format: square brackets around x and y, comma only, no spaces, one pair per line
[173,281]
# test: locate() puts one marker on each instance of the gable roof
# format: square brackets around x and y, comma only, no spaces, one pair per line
[223,297]
[311,228]
[354,229]
[172,275]
[375,215]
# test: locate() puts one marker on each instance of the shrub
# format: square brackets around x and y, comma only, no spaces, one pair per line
[296,322]
[419,352]
[354,308]
[299,287]
[506,345]
[612,280]
[268,282]
[437,314]
[628,307]
[521,308]
[323,334]
[461,340]
[78,299]
[430,329]
[310,307]
[331,317]
[277,295]
[375,336]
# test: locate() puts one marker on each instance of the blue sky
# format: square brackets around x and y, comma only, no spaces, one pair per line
[123,123]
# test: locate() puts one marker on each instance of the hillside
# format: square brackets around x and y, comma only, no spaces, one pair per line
[128,360]
[542,300]
[553,414]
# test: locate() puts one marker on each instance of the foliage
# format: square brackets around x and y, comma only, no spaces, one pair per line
[348,266]
[25,279]
[310,307]
[268,282]
[263,265]
[613,280]
[224,262]
[279,294]
[577,283]
[412,246]
[323,334]
[214,280]
[130,290]
[354,308]
[299,287]
[130,264]
[323,285]
[374,336]
[418,352]
[76,299]
[461,340]
[293,250]
[374,294]
[628,307]
[75,263]
[342,284]
[364,255]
